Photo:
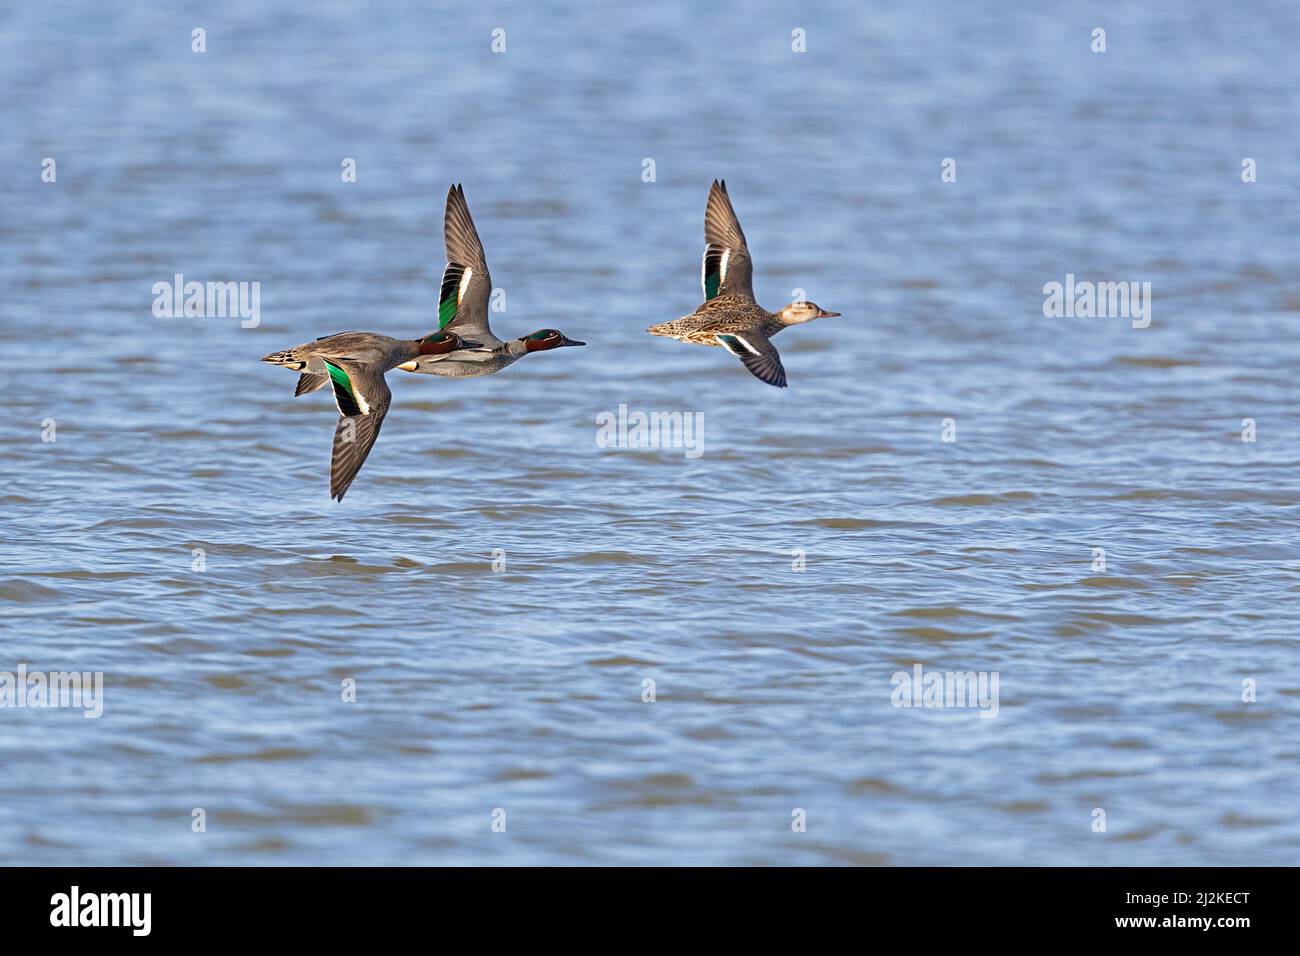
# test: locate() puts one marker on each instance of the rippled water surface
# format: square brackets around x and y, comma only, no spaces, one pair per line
[522,690]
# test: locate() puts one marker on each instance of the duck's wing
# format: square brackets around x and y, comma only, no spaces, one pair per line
[727,266]
[758,353]
[363,398]
[309,382]
[466,284]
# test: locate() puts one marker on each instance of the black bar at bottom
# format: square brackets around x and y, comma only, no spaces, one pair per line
[333,905]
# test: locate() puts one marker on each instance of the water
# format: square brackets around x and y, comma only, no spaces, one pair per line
[522,689]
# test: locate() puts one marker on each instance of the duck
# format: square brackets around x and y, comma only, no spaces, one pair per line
[463,306]
[354,363]
[730,316]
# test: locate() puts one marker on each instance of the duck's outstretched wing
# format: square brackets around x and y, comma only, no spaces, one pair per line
[758,353]
[727,266]
[363,398]
[309,382]
[466,284]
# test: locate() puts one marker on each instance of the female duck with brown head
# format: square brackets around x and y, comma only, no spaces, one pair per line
[729,316]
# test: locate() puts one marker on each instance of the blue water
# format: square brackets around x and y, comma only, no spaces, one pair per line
[521,690]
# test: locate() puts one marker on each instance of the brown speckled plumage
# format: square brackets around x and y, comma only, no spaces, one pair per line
[725,313]
[729,316]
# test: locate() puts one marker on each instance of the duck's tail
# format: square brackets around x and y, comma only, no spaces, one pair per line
[290,359]
[286,359]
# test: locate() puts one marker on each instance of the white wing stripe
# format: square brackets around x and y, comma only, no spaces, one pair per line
[722,340]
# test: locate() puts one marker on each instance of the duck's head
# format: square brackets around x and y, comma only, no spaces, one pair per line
[440,343]
[797,312]
[544,339]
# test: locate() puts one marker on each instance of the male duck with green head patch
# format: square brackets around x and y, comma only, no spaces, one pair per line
[729,316]
[354,363]
[463,306]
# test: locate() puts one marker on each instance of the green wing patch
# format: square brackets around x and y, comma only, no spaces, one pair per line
[343,393]
[449,298]
[712,270]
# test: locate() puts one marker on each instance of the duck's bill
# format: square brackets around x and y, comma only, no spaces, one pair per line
[467,344]
[823,314]
[569,341]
